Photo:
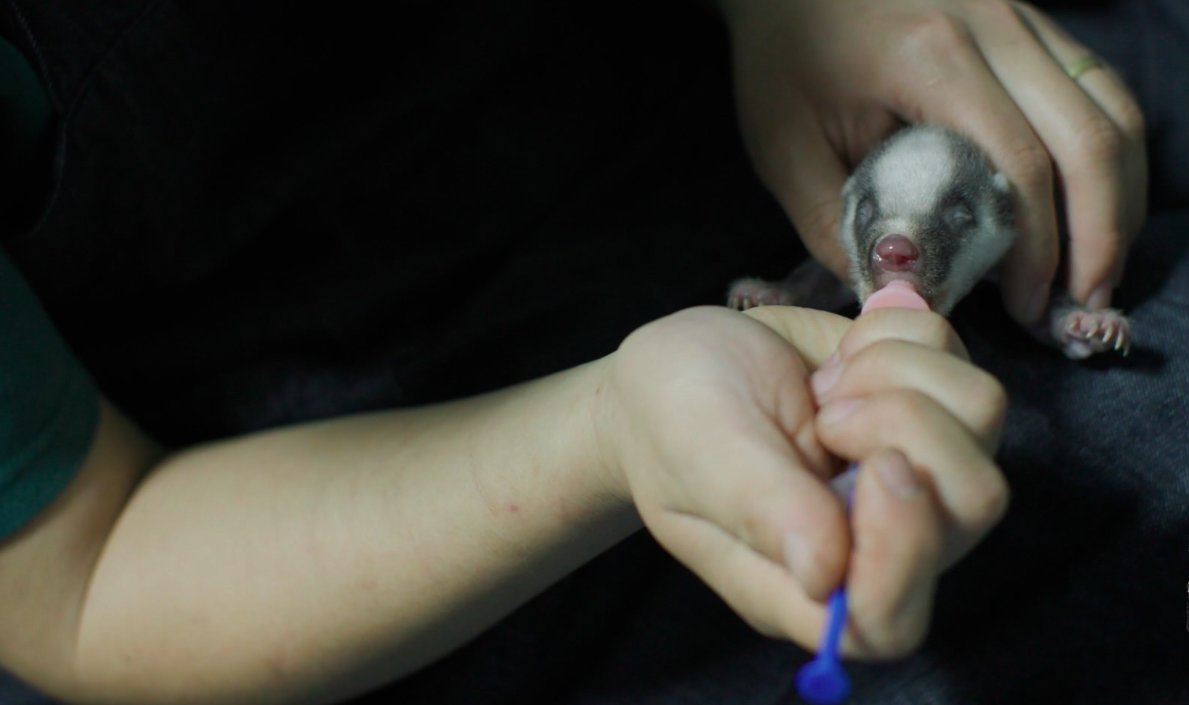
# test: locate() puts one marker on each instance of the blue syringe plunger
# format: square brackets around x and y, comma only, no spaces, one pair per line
[823,682]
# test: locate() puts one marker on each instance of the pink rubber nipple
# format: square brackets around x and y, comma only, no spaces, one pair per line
[896,294]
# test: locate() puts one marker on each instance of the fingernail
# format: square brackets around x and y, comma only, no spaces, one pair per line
[1100,297]
[826,376]
[836,411]
[898,477]
[796,556]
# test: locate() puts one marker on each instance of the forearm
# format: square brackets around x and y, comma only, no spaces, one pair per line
[309,563]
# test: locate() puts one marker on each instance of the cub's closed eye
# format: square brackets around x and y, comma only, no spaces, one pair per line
[959,216]
[864,213]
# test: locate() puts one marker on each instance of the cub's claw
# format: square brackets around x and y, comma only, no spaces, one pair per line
[1081,332]
[749,293]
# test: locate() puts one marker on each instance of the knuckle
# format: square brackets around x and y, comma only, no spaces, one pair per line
[819,220]
[986,501]
[1131,121]
[937,35]
[907,408]
[989,394]
[884,634]
[753,527]
[1030,165]
[886,332]
[999,13]
[759,527]
[936,332]
[927,329]
[1098,140]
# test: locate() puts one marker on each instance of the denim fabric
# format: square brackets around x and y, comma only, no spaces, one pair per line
[408,221]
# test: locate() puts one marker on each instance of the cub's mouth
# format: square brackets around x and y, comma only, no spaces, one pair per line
[895,257]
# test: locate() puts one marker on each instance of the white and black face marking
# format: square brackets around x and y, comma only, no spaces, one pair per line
[925,207]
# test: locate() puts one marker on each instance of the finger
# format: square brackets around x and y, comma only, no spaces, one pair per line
[893,570]
[894,566]
[764,593]
[1107,90]
[1102,84]
[805,175]
[897,556]
[972,396]
[970,487]
[813,334]
[1084,143]
[819,337]
[920,327]
[748,454]
[750,480]
[945,79]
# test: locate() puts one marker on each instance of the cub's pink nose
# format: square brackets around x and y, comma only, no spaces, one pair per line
[896,253]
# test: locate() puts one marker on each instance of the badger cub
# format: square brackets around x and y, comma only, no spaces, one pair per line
[926,207]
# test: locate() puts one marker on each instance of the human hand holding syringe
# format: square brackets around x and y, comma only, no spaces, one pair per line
[822,681]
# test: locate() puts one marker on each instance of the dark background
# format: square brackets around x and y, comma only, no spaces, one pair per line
[263,213]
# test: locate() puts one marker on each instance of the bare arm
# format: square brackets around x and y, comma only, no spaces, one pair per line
[310,563]
[307,564]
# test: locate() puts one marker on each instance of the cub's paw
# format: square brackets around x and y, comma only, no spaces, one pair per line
[749,293]
[1081,332]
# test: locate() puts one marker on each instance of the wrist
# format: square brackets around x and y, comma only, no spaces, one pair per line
[605,429]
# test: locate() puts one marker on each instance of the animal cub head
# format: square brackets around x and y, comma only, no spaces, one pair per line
[925,207]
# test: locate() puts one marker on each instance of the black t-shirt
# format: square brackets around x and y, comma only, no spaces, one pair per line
[263,213]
